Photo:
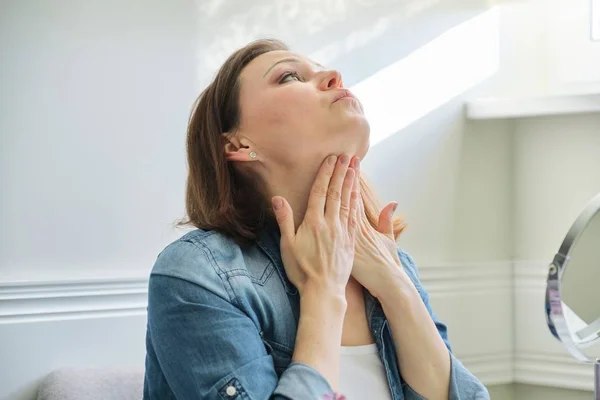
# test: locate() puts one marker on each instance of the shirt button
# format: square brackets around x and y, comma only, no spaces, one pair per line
[231,391]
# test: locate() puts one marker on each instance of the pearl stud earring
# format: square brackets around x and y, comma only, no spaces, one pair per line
[252,155]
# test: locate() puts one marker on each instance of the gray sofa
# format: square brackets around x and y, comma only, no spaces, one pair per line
[92,384]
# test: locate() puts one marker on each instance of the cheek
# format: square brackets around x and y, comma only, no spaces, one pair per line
[290,108]
[285,122]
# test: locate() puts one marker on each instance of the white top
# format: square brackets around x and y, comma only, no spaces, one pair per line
[362,374]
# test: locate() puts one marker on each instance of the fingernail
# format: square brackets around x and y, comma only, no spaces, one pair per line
[394,207]
[344,159]
[331,160]
[277,203]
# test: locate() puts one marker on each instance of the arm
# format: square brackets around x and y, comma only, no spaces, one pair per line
[319,334]
[423,357]
[204,344]
[425,360]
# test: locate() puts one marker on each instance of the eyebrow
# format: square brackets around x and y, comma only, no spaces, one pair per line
[290,59]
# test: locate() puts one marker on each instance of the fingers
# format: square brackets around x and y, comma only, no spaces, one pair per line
[284,216]
[386,221]
[336,189]
[346,203]
[355,199]
[353,219]
[360,211]
[318,193]
[334,192]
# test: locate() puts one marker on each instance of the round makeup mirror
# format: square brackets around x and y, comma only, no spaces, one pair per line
[573,290]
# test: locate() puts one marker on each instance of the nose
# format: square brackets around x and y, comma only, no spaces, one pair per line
[331,79]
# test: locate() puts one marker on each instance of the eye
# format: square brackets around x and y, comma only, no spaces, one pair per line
[290,74]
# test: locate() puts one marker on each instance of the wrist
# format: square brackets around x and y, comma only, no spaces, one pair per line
[329,299]
[396,287]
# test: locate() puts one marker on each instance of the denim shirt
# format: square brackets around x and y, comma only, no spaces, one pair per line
[222,323]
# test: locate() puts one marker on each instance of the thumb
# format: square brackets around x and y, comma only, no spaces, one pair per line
[284,216]
[386,222]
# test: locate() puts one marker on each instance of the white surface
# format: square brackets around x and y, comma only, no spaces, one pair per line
[546,48]
[93,113]
[573,58]
[492,108]
[362,374]
[557,171]
[28,302]
[469,53]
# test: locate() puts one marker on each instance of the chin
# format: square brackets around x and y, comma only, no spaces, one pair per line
[362,139]
[362,151]
[352,138]
[359,146]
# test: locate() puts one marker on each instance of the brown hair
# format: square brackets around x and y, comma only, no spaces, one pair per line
[217,196]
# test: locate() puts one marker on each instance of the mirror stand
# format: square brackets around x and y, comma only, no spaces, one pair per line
[597,379]
[572,298]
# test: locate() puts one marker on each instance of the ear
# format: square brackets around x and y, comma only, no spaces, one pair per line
[236,149]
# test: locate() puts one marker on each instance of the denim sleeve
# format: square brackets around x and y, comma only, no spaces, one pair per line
[463,384]
[206,348]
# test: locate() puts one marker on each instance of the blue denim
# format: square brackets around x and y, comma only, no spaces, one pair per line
[222,324]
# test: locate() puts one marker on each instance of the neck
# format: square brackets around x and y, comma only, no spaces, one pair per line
[295,187]
[294,183]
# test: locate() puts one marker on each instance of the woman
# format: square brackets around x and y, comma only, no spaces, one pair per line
[292,286]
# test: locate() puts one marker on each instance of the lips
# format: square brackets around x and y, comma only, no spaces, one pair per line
[342,94]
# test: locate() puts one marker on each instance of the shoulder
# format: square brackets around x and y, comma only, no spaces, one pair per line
[198,257]
[215,261]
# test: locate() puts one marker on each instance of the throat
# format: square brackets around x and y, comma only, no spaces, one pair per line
[356,330]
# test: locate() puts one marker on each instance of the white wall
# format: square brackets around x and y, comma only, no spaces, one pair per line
[520,391]
[95,101]
[546,48]
[555,171]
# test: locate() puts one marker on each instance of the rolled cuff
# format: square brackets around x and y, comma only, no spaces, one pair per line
[299,382]
[463,385]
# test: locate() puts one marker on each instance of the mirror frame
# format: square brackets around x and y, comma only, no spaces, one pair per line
[556,310]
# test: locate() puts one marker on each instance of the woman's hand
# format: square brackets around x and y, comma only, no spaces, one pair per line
[376,261]
[321,252]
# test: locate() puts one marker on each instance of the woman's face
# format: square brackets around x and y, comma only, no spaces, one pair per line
[295,113]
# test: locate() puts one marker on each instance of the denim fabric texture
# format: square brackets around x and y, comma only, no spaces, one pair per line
[222,324]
